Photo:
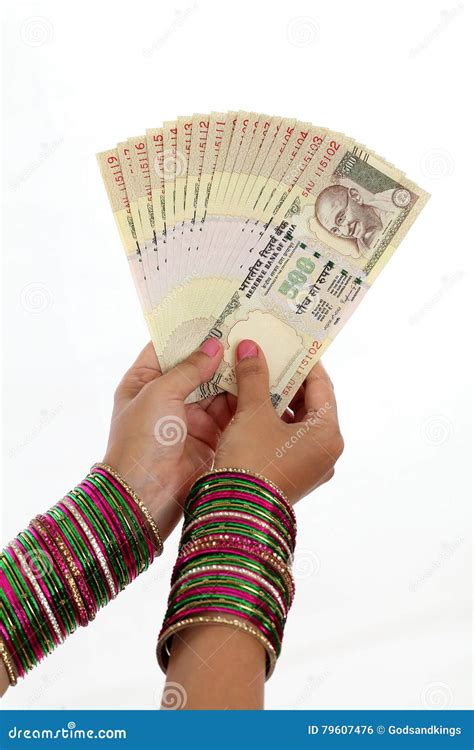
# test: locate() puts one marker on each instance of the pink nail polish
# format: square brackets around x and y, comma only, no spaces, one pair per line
[246,349]
[210,347]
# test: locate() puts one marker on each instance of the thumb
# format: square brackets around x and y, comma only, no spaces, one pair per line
[196,369]
[252,376]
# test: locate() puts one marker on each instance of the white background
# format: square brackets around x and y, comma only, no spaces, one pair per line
[381,617]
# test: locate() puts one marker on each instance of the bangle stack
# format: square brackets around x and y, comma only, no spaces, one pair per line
[69,563]
[234,561]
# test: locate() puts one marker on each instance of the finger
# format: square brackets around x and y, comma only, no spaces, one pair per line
[288,416]
[145,369]
[319,392]
[148,358]
[297,400]
[202,426]
[221,407]
[204,403]
[219,410]
[196,369]
[296,409]
[252,376]
[232,403]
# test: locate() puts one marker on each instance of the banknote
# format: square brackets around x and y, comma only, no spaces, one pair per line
[244,225]
[113,178]
[328,241]
[198,144]
[183,148]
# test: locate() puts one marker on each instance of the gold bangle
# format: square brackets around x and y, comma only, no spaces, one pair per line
[7,660]
[148,517]
[72,585]
[163,646]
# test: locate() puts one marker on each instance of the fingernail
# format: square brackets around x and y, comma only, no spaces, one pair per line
[246,349]
[210,347]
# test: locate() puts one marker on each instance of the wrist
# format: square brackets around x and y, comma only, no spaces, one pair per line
[264,469]
[234,560]
[69,563]
[156,488]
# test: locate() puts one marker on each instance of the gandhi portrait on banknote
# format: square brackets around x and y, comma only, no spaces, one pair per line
[352,214]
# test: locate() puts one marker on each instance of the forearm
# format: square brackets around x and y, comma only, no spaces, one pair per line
[231,590]
[216,667]
[4,679]
[69,563]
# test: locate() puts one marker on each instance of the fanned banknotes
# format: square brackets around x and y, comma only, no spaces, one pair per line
[240,225]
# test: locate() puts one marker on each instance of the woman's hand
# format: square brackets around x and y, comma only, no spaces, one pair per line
[158,444]
[297,452]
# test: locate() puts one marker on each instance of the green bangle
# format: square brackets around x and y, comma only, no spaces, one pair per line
[135,537]
[53,583]
[97,523]
[82,551]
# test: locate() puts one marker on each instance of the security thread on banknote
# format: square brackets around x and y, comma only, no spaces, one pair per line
[244,225]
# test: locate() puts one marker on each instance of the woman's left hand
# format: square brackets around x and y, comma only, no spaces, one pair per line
[158,444]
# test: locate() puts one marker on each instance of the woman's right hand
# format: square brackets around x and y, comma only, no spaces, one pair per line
[297,453]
